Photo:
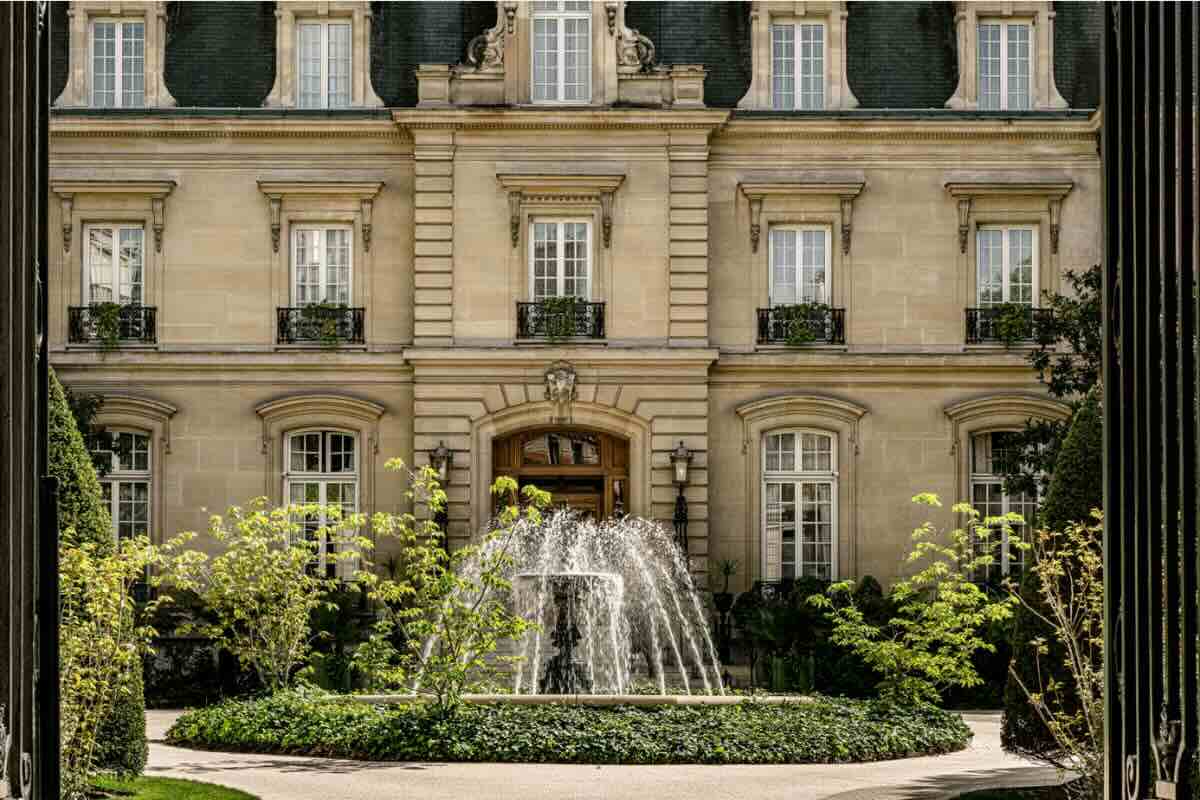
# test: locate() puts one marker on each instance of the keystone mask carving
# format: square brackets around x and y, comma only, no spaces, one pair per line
[560,388]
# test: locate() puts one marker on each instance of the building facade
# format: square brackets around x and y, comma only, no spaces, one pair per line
[805,241]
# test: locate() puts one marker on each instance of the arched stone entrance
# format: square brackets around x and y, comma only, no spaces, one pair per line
[583,468]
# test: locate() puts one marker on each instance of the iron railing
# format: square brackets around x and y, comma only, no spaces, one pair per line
[133,324]
[558,320]
[1006,324]
[801,325]
[320,324]
[1151,410]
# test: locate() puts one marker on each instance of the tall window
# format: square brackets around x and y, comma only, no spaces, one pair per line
[799,264]
[560,259]
[1007,264]
[1005,66]
[323,65]
[125,487]
[562,62]
[118,64]
[114,268]
[800,504]
[991,453]
[798,66]
[322,468]
[321,260]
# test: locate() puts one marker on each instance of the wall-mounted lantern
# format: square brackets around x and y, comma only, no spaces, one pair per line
[681,459]
[441,459]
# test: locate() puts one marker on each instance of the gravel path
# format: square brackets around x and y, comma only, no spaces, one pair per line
[982,765]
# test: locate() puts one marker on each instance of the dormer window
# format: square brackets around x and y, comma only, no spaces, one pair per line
[323,66]
[118,49]
[562,62]
[797,66]
[1005,66]
[116,53]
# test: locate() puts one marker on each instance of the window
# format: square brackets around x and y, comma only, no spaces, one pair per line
[560,259]
[323,64]
[125,486]
[799,265]
[800,504]
[1007,265]
[118,64]
[562,64]
[114,265]
[798,66]
[321,265]
[990,455]
[322,468]
[1005,66]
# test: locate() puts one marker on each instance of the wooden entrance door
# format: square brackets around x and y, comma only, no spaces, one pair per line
[583,469]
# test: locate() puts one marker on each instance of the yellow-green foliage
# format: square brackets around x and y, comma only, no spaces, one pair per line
[82,516]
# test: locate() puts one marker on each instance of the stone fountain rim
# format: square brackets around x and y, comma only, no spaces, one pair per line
[613,576]
[578,699]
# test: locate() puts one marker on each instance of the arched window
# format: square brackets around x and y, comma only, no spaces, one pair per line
[991,453]
[321,466]
[799,489]
[124,458]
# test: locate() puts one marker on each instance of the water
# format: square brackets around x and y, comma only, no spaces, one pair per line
[612,599]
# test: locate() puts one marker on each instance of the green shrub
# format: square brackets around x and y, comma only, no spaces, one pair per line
[825,730]
[121,739]
[82,515]
[1077,485]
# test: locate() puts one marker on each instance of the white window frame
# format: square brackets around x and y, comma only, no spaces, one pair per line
[324,25]
[1006,262]
[798,477]
[797,62]
[323,478]
[1008,504]
[560,255]
[828,268]
[115,265]
[323,249]
[116,476]
[561,16]
[1031,96]
[118,60]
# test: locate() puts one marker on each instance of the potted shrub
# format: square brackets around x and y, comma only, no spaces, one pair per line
[559,315]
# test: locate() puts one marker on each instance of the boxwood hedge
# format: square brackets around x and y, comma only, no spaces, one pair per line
[825,730]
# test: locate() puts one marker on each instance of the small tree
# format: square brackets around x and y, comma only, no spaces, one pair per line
[940,613]
[444,614]
[265,586]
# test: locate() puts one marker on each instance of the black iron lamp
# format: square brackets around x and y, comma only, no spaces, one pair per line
[441,460]
[681,459]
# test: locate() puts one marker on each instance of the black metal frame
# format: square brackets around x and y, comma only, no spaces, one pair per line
[535,321]
[1150,400]
[825,325]
[310,325]
[983,323]
[136,324]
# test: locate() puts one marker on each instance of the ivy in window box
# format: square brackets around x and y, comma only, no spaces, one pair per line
[559,316]
[803,323]
[107,319]
[1013,323]
[324,319]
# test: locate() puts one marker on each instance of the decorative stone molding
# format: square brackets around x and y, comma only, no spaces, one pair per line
[486,51]
[967,187]
[433,85]
[560,391]
[538,183]
[153,192]
[144,412]
[845,185]
[278,189]
[832,14]
[77,92]
[966,22]
[634,51]
[285,93]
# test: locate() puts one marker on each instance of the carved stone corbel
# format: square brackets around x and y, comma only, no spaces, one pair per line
[847,223]
[1055,205]
[367,205]
[964,222]
[67,203]
[276,205]
[755,218]
[157,207]
[606,199]
[514,217]
[610,11]
[510,16]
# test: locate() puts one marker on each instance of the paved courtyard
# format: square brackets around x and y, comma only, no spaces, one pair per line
[982,765]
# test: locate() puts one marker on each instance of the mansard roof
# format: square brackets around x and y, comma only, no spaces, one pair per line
[900,55]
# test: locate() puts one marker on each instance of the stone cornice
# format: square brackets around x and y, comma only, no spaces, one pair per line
[220,127]
[558,119]
[948,128]
[816,405]
[1000,404]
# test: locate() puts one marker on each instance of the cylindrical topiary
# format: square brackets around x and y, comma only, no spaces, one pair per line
[121,740]
[1077,485]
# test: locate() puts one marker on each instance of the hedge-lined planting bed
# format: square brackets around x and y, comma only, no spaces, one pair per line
[825,730]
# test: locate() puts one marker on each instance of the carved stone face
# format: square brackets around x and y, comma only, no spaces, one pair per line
[560,383]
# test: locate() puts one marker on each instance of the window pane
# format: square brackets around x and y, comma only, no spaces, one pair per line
[133,452]
[341,452]
[812,267]
[545,260]
[131,273]
[781,452]
[989,67]
[337,266]
[1020,266]
[545,59]
[133,509]
[783,266]
[102,287]
[104,64]
[991,267]
[133,57]
[577,65]
[812,67]
[816,539]
[783,67]
[1018,67]
[308,266]
[575,260]
[339,66]
[305,452]
[309,55]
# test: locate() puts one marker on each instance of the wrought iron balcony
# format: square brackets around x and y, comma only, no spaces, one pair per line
[320,324]
[800,325]
[1006,324]
[110,324]
[560,319]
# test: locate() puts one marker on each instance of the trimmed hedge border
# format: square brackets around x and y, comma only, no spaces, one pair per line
[826,730]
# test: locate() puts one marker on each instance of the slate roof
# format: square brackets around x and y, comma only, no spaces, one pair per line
[900,55]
